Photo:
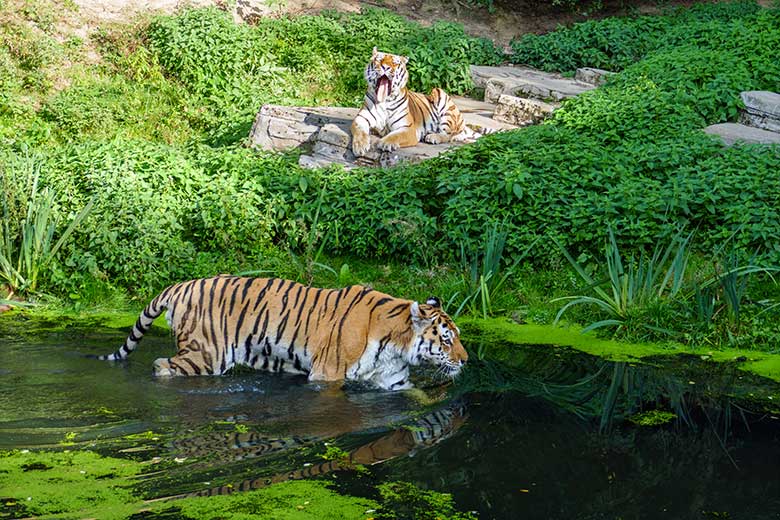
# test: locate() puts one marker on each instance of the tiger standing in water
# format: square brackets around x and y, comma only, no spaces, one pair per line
[402,117]
[354,333]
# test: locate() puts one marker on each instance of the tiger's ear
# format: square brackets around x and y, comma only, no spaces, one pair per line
[374,52]
[404,60]
[433,301]
[419,319]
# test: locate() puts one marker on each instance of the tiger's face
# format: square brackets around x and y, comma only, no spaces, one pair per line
[386,75]
[437,339]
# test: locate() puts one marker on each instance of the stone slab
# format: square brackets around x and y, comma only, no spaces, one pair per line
[324,134]
[278,127]
[480,74]
[324,154]
[762,110]
[474,106]
[521,111]
[550,90]
[592,75]
[732,133]
[486,124]
[525,82]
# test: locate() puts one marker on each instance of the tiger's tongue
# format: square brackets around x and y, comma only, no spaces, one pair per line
[382,88]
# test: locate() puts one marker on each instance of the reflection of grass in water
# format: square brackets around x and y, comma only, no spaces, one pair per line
[408,501]
[606,391]
[652,418]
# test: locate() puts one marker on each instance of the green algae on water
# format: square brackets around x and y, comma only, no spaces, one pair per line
[294,500]
[82,484]
[66,484]
[494,331]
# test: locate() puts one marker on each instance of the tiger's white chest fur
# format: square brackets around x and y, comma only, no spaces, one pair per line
[383,365]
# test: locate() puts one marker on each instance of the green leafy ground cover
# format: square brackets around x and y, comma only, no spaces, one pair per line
[146,122]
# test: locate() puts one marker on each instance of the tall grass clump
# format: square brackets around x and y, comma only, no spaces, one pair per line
[484,276]
[660,296]
[28,245]
[632,284]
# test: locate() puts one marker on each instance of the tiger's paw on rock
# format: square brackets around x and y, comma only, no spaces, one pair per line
[360,145]
[385,146]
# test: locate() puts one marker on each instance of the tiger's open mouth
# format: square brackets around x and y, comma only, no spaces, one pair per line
[382,88]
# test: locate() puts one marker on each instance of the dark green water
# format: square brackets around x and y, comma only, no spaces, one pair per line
[546,436]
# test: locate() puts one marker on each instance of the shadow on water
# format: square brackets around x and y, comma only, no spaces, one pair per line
[534,432]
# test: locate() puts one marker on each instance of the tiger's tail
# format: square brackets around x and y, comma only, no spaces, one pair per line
[141,327]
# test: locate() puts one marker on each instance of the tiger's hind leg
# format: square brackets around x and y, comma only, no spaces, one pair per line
[451,125]
[437,138]
[192,360]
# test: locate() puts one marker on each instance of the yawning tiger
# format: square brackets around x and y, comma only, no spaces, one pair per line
[403,117]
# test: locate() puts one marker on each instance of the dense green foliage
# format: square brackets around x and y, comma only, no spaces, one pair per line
[615,43]
[153,135]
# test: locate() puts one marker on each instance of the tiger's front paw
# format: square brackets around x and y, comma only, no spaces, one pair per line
[387,146]
[360,144]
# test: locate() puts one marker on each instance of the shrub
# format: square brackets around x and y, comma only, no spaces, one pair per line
[142,193]
[638,110]
[440,57]
[100,107]
[315,58]
[707,82]
[615,43]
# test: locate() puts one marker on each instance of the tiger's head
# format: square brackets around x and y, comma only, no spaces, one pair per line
[386,75]
[437,339]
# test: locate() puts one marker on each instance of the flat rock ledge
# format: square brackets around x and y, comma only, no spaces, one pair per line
[762,110]
[324,136]
[514,97]
[759,121]
[526,82]
[732,133]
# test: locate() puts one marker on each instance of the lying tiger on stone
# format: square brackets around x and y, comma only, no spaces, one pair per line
[355,333]
[402,117]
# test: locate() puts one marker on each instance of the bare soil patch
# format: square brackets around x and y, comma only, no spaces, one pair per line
[509,18]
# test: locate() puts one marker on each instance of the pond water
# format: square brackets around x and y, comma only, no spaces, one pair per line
[548,434]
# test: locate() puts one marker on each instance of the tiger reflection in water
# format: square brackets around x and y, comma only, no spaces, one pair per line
[422,433]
